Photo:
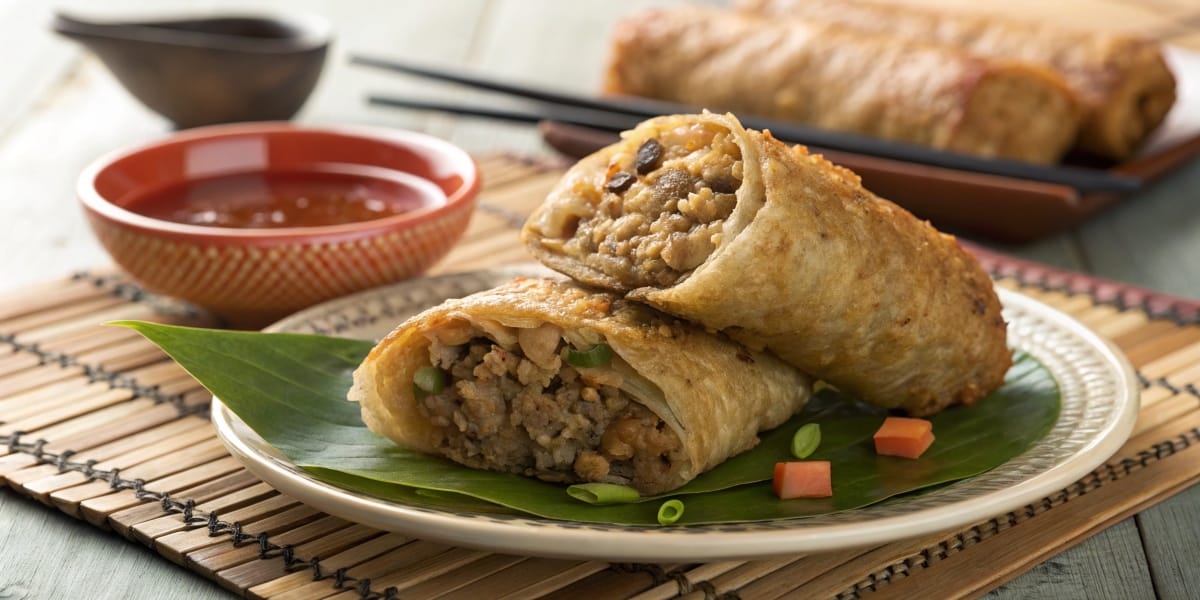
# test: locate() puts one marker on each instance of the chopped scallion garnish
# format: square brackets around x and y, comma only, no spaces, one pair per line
[596,356]
[670,512]
[806,440]
[603,493]
[430,380]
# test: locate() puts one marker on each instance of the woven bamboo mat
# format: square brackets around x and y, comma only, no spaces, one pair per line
[98,423]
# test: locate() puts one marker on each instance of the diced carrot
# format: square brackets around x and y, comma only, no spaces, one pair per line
[903,437]
[804,479]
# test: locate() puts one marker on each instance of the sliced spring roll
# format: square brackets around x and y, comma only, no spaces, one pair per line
[1122,82]
[780,249]
[545,379]
[841,79]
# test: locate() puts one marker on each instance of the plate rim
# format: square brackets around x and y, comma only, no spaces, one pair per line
[579,540]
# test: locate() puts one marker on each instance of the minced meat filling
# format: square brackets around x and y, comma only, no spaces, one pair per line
[505,412]
[661,210]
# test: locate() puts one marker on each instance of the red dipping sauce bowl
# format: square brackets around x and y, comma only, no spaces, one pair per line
[256,221]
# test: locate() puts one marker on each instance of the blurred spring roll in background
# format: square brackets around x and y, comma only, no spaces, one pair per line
[780,249]
[545,379]
[1122,82]
[842,79]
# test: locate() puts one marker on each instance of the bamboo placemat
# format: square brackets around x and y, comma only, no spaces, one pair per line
[98,423]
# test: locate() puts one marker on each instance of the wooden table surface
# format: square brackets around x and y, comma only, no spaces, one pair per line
[59,109]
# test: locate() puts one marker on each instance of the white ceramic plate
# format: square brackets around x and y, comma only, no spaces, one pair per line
[1099,405]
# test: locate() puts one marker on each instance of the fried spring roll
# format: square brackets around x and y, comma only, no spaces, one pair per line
[841,79]
[1122,82]
[528,388]
[782,250]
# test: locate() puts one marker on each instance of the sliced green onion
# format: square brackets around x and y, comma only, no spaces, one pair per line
[596,356]
[806,440]
[670,511]
[430,380]
[603,493]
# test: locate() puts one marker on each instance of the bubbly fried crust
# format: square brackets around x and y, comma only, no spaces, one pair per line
[843,79]
[716,394]
[1122,83]
[844,285]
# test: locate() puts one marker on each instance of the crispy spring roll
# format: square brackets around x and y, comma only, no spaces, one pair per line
[1122,82]
[844,80]
[782,250]
[529,387]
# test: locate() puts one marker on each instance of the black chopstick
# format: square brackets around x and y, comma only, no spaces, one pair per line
[639,107]
[594,119]
[567,106]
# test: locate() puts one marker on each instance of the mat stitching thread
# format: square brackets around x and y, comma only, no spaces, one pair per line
[1187,388]
[656,573]
[963,540]
[193,516]
[134,293]
[114,379]
[710,591]
[1044,282]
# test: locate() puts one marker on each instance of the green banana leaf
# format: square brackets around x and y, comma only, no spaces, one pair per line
[291,389]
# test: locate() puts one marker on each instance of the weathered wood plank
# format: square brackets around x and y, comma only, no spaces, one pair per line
[1111,561]
[1169,532]
[1151,241]
[998,559]
[49,556]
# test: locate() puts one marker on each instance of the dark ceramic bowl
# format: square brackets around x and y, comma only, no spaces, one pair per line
[252,277]
[212,70]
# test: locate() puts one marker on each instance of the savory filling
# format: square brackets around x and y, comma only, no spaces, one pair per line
[662,206]
[531,404]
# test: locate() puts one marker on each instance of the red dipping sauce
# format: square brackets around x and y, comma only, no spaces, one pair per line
[278,199]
